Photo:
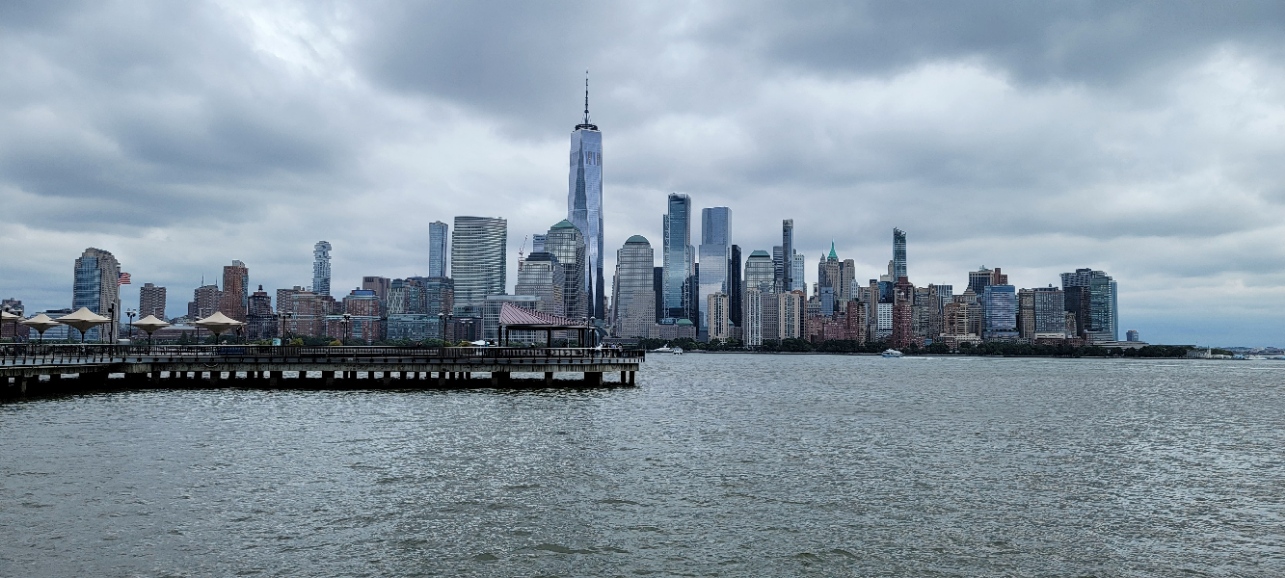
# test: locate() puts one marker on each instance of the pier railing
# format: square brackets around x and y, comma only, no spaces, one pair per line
[32,353]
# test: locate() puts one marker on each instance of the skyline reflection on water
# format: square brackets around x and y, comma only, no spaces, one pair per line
[727,465]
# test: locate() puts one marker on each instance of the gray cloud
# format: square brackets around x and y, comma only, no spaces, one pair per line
[1142,139]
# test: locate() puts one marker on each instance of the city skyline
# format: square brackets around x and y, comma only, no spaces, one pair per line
[1152,164]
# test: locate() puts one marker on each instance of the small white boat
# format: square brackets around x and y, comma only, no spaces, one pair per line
[678,351]
[663,349]
[890,353]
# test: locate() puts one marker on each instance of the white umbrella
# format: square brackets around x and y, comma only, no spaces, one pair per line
[150,324]
[84,320]
[41,323]
[217,323]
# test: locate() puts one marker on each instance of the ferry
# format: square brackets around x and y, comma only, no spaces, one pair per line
[891,353]
[678,351]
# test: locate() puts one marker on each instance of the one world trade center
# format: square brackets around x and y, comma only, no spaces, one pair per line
[584,205]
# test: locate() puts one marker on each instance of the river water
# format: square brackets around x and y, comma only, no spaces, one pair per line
[716,465]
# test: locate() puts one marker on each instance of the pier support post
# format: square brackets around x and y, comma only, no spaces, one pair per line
[593,378]
[274,378]
[548,379]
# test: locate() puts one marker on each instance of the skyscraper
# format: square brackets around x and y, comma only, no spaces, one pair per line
[715,254]
[632,297]
[321,268]
[478,262]
[735,288]
[151,301]
[542,276]
[898,254]
[96,286]
[236,291]
[566,243]
[678,257]
[787,255]
[437,232]
[1091,295]
[584,202]
[999,312]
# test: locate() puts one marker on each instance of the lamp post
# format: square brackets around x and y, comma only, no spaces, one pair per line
[346,321]
[131,313]
[290,319]
[593,331]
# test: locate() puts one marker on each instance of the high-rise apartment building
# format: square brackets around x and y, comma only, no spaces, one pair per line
[567,244]
[1092,296]
[151,301]
[760,280]
[752,316]
[898,254]
[902,313]
[735,288]
[718,320]
[260,322]
[236,290]
[96,286]
[206,299]
[678,257]
[320,269]
[1050,313]
[437,247]
[633,298]
[800,283]
[999,312]
[715,254]
[478,262]
[1026,313]
[380,285]
[584,204]
[787,255]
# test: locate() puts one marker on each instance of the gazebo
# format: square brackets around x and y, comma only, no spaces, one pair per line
[84,320]
[5,317]
[514,317]
[217,323]
[149,325]
[41,323]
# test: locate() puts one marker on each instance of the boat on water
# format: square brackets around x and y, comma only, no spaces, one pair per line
[891,353]
[678,351]
[662,349]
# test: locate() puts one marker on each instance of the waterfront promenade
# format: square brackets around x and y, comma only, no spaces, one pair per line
[35,370]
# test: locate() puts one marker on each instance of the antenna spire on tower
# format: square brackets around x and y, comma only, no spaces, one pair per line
[586,96]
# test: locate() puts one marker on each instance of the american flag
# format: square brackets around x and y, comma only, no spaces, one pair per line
[123,279]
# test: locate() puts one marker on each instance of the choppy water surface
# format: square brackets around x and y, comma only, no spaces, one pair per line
[717,465]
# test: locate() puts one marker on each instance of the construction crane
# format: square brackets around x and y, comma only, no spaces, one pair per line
[523,247]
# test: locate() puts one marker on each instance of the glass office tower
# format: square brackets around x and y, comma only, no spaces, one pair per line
[437,232]
[584,202]
[678,257]
[478,262]
[715,253]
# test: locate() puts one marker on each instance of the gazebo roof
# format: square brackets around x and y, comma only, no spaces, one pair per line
[513,316]
[150,324]
[40,322]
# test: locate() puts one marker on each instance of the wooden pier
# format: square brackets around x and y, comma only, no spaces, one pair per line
[29,370]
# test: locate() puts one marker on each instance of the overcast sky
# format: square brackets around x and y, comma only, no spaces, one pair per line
[1143,140]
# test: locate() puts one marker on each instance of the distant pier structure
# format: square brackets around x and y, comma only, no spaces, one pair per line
[28,370]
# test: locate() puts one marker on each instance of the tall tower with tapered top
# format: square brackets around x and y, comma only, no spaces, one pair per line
[584,202]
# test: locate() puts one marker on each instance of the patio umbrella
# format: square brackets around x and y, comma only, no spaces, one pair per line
[41,323]
[150,324]
[217,323]
[84,320]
